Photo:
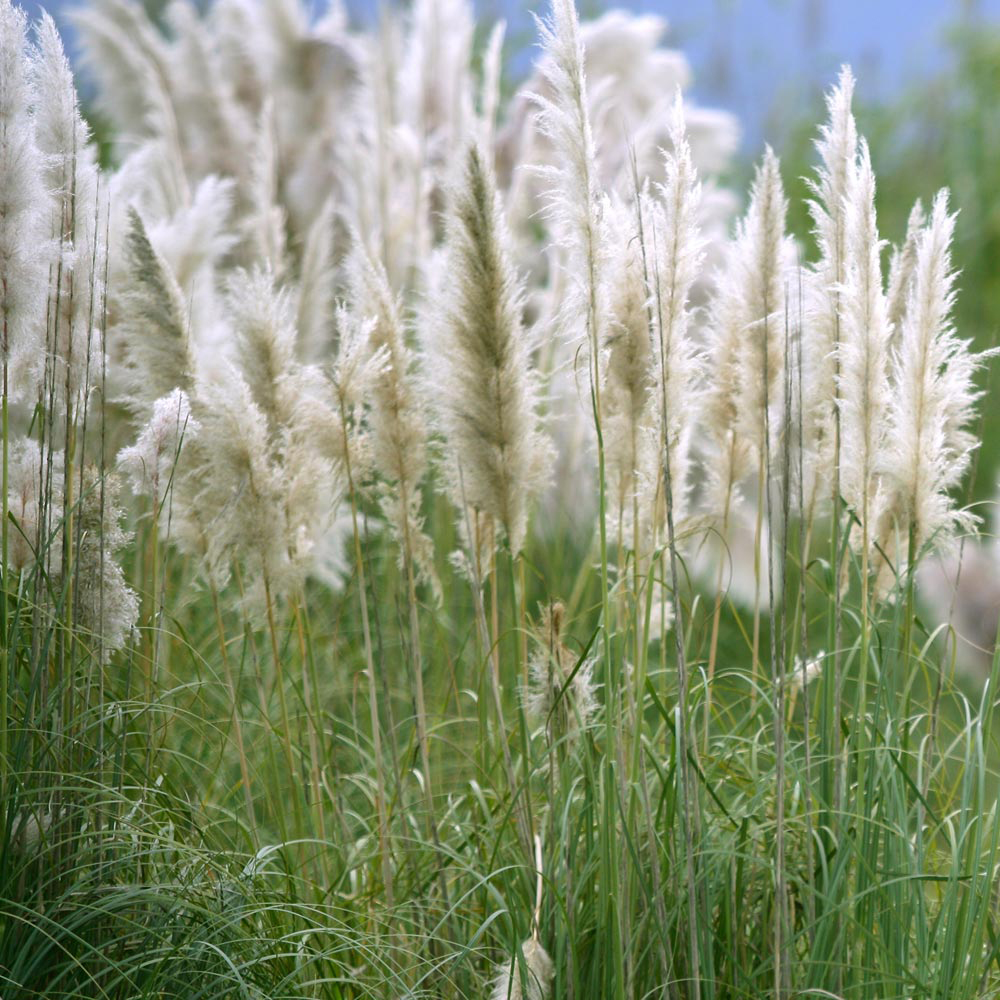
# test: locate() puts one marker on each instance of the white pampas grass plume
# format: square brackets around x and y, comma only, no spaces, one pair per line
[901,268]
[932,402]
[435,92]
[126,57]
[317,284]
[196,237]
[863,382]
[105,606]
[159,355]
[34,483]
[486,399]
[631,81]
[150,462]
[561,693]
[216,129]
[838,148]
[490,100]
[727,457]
[629,411]
[527,979]
[263,320]
[399,426]
[746,339]
[265,222]
[761,237]
[77,214]
[23,201]
[235,512]
[398,419]
[330,414]
[677,253]
[573,203]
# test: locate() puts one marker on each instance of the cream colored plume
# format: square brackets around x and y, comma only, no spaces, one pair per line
[485,395]
[527,977]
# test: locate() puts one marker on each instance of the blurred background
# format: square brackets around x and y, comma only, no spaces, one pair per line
[766,59]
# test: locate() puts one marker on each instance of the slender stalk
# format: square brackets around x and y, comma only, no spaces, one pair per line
[420,704]
[237,719]
[4,578]
[521,804]
[359,563]
[781,970]
[762,502]
[279,683]
[713,645]
[691,823]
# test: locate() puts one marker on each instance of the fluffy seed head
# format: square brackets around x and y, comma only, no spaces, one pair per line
[159,355]
[497,456]
[560,696]
[933,400]
[838,150]
[150,462]
[106,608]
[530,980]
[863,384]
[24,206]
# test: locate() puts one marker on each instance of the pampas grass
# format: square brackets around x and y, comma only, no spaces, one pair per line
[932,403]
[282,719]
[527,979]
[151,300]
[863,387]
[498,456]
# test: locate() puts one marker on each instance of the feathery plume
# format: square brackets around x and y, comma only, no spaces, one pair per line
[863,395]
[572,203]
[231,505]
[762,238]
[195,238]
[629,414]
[216,130]
[159,355]
[398,421]
[559,696]
[127,59]
[330,413]
[727,458]
[265,223]
[71,175]
[932,403]
[677,254]
[490,100]
[530,979]
[317,284]
[497,455]
[434,81]
[23,206]
[32,485]
[746,339]
[838,150]
[901,268]
[150,462]
[263,320]
[105,606]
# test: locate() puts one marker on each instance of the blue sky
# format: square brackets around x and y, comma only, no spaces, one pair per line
[766,59]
